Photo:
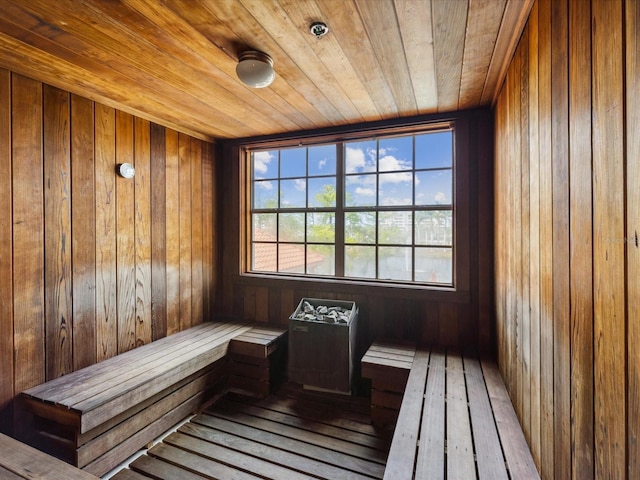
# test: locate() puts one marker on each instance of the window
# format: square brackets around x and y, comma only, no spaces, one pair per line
[368,209]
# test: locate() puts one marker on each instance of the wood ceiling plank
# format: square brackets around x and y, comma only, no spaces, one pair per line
[449,27]
[383,31]
[344,21]
[416,28]
[513,21]
[277,24]
[329,51]
[482,30]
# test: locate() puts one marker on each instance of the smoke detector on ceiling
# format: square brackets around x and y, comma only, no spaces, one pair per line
[319,29]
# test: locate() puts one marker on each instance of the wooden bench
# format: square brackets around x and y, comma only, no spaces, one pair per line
[257,360]
[98,416]
[18,460]
[387,364]
[471,431]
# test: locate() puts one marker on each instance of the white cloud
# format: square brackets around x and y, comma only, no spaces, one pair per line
[261,161]
[365,192]
[354,159]
[265,185]
[300,184]
[389,163]
[321,164]
[400,177]
[440,197]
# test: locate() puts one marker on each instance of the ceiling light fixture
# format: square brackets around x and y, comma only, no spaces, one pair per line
[255,69]
[319,29]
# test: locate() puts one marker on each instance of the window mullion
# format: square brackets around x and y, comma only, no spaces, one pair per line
[340,186]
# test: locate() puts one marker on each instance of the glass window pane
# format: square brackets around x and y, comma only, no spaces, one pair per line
[291,227]
[434,265]
[360,261]
[265,164]
[360,190]
[322,192]
[264,257]
[321,227]
[265,194]
[291,258]
[360,157]
[293,193]
[434,150]
[434,228]
[321,259]
[395,154]
[322,160]
[396,188]
[264,227]
[395,228]
[394,263]
[434,187]
[360,227]
[293,162]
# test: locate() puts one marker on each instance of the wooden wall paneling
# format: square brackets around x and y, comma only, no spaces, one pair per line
[173,231]
[262,304]
[196,231]
[158,182]
[249,303]
[83,230]
[608,241]
[57,227]
[287,305]
[499,232]
[525,322]
[184,180]
[125,242]
[534,238]
[209,212]
[632,12]
[274,308]
[105,192]
[546,240]
[142,196]
[28,234]
[449,324]
[560,219]
[463,202]
[581,244]
[6,256]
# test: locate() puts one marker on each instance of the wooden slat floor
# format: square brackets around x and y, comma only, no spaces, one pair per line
[294,434]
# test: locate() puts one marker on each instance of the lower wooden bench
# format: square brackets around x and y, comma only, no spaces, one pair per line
[257,359]
[456,419]
[18,460]
[387,363]
[98,416]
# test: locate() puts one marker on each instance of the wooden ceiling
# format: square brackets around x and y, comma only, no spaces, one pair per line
[173,61]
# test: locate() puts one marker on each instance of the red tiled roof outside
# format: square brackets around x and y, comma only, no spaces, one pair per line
[291,256]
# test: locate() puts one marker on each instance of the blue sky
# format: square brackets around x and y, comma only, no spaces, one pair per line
[384,172]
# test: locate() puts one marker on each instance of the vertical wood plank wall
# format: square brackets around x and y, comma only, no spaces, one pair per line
[567,210]
[436,317]
[92,264]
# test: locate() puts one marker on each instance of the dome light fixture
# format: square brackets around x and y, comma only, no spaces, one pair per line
[255,69]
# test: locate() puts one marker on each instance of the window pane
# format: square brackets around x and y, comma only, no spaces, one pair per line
[394,263]
[360,261]
[293,163]
[291,258]
[434,150]
[360,227]
[264,227]
[265,164]
[433,188]
[291,227]
[322,160]
[434,265]
[322,192]
[395,154]
[360,190]
[396,188]
[293,193]
[395,227]
[360,157]
[321,227]
[265,194]
[321,259]
[264,257]
[434,228]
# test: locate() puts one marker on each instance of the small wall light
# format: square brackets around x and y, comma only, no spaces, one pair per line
[255,69]
[126,170]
